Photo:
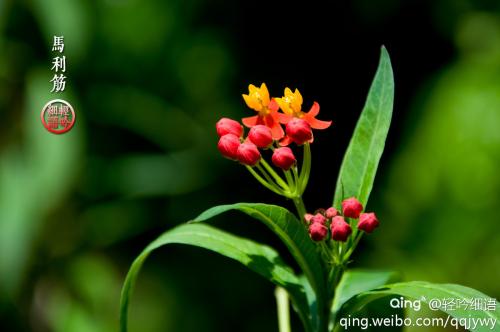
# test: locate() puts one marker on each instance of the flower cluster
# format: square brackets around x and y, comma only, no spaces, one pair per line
[275,131]
[280,127]
[335,221]
[266,128]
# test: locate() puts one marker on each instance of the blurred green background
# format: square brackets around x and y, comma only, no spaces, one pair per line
[150,78]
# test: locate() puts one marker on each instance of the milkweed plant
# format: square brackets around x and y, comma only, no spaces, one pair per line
[321,240]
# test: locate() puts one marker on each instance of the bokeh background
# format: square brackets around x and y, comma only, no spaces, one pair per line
[149,79]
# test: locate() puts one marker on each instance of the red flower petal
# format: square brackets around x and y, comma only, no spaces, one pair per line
[277,131]
[272,121]
[286,141]
[317,124]
[251,121]
[273,105]
[310,117]
[284,118]
[314,110]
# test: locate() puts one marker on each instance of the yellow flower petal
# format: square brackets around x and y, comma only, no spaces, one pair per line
[296,102]
[264,94]
[298,96]
[285,107]
[252,89]
[291,103]
[252,103]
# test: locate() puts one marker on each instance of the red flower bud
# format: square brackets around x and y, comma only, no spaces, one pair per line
[261,136]
[340,229]
[351,208]
[228,146]
[308,217]
[317,231]
[318,218]
[283,158]
[331,212]
[368,222]
[299,131]
[248,154]
[228,126]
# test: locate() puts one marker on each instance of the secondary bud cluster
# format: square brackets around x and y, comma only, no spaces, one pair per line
[334,221]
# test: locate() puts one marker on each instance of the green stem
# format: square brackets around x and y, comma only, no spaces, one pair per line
[299,205]
[283,310]
[353,246]
[333,280]
[334,276]
[291,183]
[275,175]
[296,177]
[306,168]
[264,183]
[268,178]
[323,302]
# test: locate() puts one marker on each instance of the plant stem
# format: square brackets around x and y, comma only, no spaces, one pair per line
[334,276]
[275,175]
[299,205]
[264,182]
[306,168]
[265,175]
[291,183]
[353,246]
[296,177]
[283,310]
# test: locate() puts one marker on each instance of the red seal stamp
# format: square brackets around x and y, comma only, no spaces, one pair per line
[58,116]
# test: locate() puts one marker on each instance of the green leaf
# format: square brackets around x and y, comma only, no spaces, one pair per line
[357,281]
[288,228]
[427,292]
[293,234]
[360,163]
[257,257]
[311,302]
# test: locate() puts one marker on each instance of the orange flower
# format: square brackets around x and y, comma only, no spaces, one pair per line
[258,100]
[291,105]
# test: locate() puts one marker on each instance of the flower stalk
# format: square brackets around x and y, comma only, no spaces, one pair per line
[283,307]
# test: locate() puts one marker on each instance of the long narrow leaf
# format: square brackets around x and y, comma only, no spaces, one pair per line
[293,234]
[257,257]
[435,294]
[288,228]
[360,163]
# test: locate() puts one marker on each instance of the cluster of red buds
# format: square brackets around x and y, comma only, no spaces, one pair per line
[331,219]
[232,145]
